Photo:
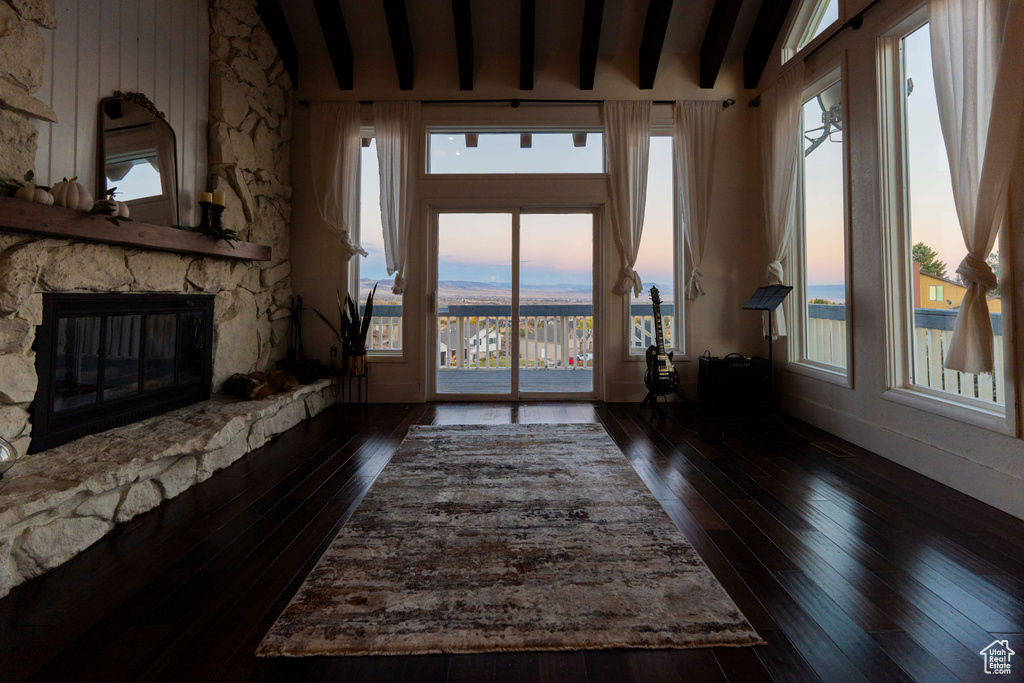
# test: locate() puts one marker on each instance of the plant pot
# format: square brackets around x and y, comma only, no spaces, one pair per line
[357,365]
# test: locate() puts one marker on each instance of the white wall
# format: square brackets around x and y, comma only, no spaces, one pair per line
[715,322]
[986,463]
[160,48]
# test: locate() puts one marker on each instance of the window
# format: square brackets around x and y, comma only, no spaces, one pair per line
[932,244]
[823,239]
[656,261]
[518,152]
[812,19]
[386,327]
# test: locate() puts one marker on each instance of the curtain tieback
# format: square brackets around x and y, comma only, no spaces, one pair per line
[976,269]
[696,286]
[399,286]
[775,273]
[351,248]
[631,280]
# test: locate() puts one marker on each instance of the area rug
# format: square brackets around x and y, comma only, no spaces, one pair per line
[507,538]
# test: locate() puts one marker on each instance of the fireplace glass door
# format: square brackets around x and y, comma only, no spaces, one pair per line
[104,360]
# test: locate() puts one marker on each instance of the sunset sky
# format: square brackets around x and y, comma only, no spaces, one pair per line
[557,248]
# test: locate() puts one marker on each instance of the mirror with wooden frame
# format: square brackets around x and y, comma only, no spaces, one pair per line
[138,157]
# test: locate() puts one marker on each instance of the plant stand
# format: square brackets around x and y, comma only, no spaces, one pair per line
[362,386]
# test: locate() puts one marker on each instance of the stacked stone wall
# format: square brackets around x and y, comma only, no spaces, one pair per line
[250,157]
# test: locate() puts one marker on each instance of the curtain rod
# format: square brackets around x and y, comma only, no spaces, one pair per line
[516,102]
[854,22]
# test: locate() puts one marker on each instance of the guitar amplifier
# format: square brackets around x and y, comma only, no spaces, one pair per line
[734,383]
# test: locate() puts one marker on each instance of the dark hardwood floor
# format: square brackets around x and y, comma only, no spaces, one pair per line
[849,566]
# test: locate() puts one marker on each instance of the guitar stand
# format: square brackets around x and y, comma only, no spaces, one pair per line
[653,399]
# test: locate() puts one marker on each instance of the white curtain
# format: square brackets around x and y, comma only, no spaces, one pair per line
[396,128]
[779,119]
[695,136]
[334,161]
[978,66]
[627,141]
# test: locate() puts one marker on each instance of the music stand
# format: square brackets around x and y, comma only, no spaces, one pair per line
[768,299]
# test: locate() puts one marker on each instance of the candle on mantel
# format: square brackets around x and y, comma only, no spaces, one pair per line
[218,197]
[206,196]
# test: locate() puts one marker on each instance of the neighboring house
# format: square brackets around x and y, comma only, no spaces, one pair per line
[931,291]
[485,342]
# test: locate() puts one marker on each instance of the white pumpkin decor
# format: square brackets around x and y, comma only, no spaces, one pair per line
[110,206]
[34,194]
[71,194]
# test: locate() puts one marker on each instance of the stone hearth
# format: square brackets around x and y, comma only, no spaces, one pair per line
[57,503]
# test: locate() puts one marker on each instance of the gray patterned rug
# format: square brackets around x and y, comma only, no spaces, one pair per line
[507,538]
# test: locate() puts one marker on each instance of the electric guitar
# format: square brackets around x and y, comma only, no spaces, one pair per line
[661,378]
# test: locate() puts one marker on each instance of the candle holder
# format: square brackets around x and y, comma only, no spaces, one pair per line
[212,216]
[206,219]
[211,223]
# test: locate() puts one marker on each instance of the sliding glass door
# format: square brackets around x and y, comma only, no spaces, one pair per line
[556,303]
[515,305]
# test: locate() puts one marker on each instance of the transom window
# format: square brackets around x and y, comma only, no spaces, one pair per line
[515,152]
[812,19]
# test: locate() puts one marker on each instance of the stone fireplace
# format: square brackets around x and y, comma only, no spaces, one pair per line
[105,360]
[59,499]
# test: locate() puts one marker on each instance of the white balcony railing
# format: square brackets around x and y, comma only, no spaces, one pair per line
[933,329]
[476,336]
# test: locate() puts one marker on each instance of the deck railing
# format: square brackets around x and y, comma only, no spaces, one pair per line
[551,336]
[560,336]
[933,329]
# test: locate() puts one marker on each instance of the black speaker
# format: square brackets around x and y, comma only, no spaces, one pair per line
[734,383]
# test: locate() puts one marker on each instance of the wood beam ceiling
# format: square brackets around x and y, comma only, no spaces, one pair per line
[593,13]
[332,23]
[401,41]
[463,42]
[527,41]
[273,18]
[766,31]
[716,39]
[655,26]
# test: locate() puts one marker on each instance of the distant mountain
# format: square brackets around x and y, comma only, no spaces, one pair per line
[463,289]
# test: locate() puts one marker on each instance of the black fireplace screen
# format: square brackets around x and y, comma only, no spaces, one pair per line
[106,360]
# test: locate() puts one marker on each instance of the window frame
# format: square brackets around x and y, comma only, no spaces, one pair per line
[800,25]
[355,234]
[832,71]
[680,273]
[896,253]
[463,128]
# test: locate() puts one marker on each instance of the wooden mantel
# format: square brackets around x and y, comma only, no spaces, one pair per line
[19,215]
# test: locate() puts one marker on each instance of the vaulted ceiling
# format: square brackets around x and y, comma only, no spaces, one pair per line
[356,33]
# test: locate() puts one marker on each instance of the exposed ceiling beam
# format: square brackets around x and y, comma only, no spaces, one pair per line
[716,39]
[527,39]
[401,41]
[463,42]
[593,12]
[655,26]
[766,30]
[332,23]
[273,18]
